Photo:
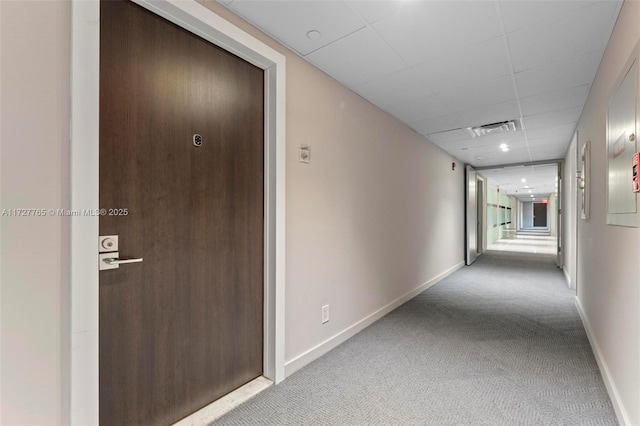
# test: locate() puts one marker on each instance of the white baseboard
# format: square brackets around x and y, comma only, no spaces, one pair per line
[621,413]
[317,351]
[567,277]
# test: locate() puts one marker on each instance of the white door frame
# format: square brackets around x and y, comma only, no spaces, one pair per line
[85,65]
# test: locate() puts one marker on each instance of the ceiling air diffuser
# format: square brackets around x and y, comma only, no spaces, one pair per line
[495,128]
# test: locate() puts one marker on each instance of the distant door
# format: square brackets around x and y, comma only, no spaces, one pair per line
[540,214]
[559,219]
[480,226]
[185,326]
[471,215]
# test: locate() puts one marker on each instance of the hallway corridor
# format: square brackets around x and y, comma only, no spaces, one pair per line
[524,243]
[496,343]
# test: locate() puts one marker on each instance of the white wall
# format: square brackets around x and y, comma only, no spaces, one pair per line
[569,213]
[552,214]
[34,173]
[493,234]
[377,212]
[507,201]
[607,269]
[494,196]
[527,215]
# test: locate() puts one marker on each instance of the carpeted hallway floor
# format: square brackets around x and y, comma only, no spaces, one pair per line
[496,343]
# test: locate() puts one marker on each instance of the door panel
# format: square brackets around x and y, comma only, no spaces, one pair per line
[480,214]
[471,215]
[185,326]
[539,214]
[559,219]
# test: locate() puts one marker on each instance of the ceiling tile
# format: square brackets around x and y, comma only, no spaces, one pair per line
[539,179]
[514,141]
[357,58]
[374,10]
[544,132]
[418,109]
[479,95]
[392,89]
[554,118]
[448,136]
[481,62]
[550,141]
[436,124]
[289,21]
[560,75]
[574,34]
[422,31]
[556,152]
[521,14]
[492,156]
[487,115]
[553,101]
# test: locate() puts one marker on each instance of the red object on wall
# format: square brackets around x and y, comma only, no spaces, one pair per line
[636,178]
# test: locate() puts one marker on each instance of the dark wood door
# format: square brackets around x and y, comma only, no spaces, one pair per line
[185,326]
[540,214]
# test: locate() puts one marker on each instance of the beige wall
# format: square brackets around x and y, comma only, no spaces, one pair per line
[377,212]
[569,213]
[34,173]
[607,265]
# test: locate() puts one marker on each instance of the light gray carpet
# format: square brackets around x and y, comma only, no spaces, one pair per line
[496,343]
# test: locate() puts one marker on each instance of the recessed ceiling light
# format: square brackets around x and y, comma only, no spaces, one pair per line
[314,35]
[532,195]
[530,192]
[523,180]
[526,186]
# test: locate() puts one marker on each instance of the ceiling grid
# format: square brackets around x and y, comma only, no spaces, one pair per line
[444,66]
[513,74]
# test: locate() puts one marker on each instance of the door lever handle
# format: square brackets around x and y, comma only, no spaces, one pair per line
[116,261]
[112,261]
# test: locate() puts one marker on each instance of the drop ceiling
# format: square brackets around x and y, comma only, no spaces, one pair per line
[527,183]
[443,66]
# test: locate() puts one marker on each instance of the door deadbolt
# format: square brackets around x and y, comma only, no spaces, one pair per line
[108,243]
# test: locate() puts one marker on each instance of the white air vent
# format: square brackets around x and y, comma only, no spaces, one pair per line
[495,128]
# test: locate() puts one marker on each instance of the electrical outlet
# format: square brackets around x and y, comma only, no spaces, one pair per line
[325,314]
